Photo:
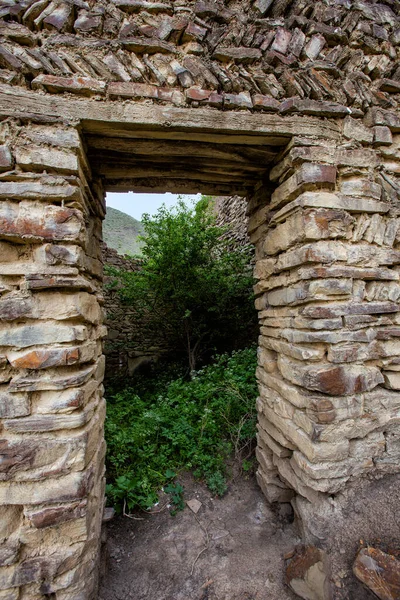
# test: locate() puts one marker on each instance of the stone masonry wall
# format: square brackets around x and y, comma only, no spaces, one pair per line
[51,405]
[269,55]
[328,264]
[130,342]
[325,223]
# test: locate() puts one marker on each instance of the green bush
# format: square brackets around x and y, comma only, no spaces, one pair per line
[192,288]
[198,424]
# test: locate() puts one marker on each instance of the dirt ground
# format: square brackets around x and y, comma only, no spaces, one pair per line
[232,549]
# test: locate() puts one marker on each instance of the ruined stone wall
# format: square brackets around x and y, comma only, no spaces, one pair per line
[231,55]
[130,341]
[51,405]
[328,256]
[324,222]
[230,212]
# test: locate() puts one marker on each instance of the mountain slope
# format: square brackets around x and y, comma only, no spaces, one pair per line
[120,231]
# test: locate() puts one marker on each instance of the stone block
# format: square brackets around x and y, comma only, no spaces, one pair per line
[240,55]
[9,553]
[315,290]
[314,46]
[308,574]
[40,158]
[28,221]
[361,188]
[66,401]
[309,224]
[328,200]
[140,45]
[10,520]
[313,107]
[50,516]
[329,311]
[6,160]
[331,380]
[23,336]
[308,177]
[44,358]
[267,103]
[392,380]
[354,129]
[51,380]
[85,86]
[382,136]
[67,488]
[43,190]
[13,405]
[379,571]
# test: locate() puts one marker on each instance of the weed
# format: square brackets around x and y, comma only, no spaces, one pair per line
[155,430]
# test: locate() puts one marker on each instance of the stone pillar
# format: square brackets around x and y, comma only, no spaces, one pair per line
[51,365]
[328,262]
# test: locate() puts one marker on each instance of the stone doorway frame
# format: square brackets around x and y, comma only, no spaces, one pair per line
[323,189]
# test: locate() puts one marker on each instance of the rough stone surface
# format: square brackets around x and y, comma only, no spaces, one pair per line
[292,105]
[307,574]
[379,571]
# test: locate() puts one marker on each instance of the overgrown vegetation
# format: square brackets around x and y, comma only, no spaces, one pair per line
[192,289]
[156,429]
[196,293]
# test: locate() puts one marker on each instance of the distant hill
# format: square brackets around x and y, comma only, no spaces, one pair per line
[120,231]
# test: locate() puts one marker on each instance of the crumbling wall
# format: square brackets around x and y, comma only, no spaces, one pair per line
[231,211]
[131,342]
[324,221]
[51,402]
[227,55]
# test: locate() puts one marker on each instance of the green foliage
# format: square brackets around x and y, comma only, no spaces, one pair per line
[192,289]
[153,433]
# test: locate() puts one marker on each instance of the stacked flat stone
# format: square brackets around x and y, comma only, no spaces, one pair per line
[327,238]
[237,55]
[131,340]
[324,219]
[51,399]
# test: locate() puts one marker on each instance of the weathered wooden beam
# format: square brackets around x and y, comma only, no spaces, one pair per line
[176,186]
[164,148]
[103,160]
[207,175]
[117,119]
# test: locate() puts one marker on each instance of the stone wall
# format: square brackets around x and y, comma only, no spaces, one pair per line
[231,55]
[231,212]
[131,342]
[290,103]
[51,405]
[328,255]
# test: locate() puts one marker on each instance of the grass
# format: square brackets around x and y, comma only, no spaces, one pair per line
[120,231]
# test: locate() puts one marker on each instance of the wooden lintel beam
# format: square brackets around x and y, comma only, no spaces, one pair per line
[119,119]
[161,185]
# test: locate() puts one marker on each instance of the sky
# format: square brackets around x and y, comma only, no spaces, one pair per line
[137,204]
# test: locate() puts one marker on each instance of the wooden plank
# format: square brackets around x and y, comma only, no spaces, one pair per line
[107,118]
[210,175]
[144,147]
[98,161]
[160,186]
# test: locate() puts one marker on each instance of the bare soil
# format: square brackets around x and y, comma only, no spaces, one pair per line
[232,549]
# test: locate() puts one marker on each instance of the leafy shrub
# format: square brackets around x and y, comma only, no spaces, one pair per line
[192,288]
[196,424]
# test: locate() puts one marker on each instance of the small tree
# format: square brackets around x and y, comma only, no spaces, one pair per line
[192,288]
